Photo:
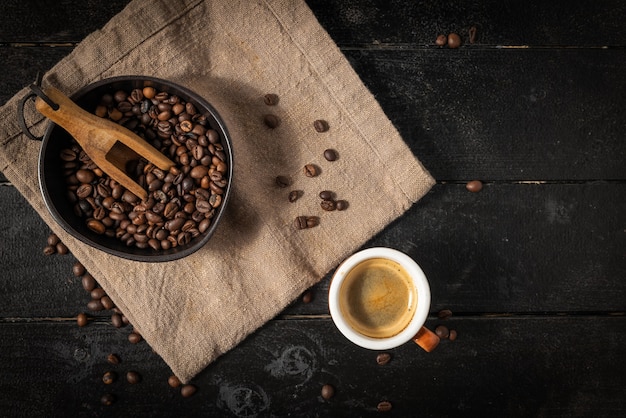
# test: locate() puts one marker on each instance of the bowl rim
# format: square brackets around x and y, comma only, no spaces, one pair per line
[136,254]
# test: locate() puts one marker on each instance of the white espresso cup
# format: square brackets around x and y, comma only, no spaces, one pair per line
[379,298]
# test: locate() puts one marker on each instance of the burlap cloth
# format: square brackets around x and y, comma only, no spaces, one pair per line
[232,53]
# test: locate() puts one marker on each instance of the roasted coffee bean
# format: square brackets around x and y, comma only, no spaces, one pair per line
[341,204]
[320,125]
[271,121]
[61,248]
[310,170]
[107,399]
[116,320]
[472,34]
[133,377]
[383,358]
[96,226]
[95,305]
[107,303]
[173,381]
[384,406]
[300,222]
[444,314]
[134,337]
[81,319]
[283,181]
[441,40]
[452,335]
[454,41]
[326,195]
[328,391]
[188,390]
[85,176]
[312,221]
[88,282]
[474,186]
[294,195]
[84,191]
[97,293]
[330,154]
[109,377]
[53,240]
[328,205]
[270,99]
[442,332]
[49,250]
[113,359]
[307,296]
[78,269]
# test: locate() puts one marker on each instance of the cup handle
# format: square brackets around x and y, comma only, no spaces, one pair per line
[426,339]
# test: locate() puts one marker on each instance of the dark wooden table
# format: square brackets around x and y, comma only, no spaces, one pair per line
[533,267]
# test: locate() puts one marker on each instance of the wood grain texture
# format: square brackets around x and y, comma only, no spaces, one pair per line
[503,366]
[532,267]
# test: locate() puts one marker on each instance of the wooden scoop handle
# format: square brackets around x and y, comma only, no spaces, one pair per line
[98,137]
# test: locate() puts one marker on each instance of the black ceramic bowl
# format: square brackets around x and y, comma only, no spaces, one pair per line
[54,188]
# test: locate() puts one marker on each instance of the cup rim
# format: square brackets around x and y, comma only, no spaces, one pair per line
[419,280]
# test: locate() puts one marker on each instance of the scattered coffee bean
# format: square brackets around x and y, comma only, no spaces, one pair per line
[442,332]
[173,381]
[474,186]
[300,222]
[188,390]
[89,283]
[49,250]
[116,320]
[454,41]
[81,319]
[282,181]
[109,377]
[78,269]
[341,205]
[444,314]
[62,248]
[53,239]
[326,195]
[328,391]
[441,40]
[328,205]
[452,335]
[383,358]
[95,305]
[113,359]
[307,296]
[330,154]
[310,170]
[97,293]
[107,303]
[294,195]
[271,121]
[270,99]
[107,399]
[134,338]
[133,377]
[472,34]
[320,125]
[384,406]
[312,221]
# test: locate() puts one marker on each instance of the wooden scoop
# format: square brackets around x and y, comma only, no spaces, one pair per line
[108,144]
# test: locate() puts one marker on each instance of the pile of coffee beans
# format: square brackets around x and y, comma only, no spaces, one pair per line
[181,203]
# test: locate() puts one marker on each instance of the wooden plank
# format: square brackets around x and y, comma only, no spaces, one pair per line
[54,22]
[555,23]
[496,367]
[504,114]
[509,248]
